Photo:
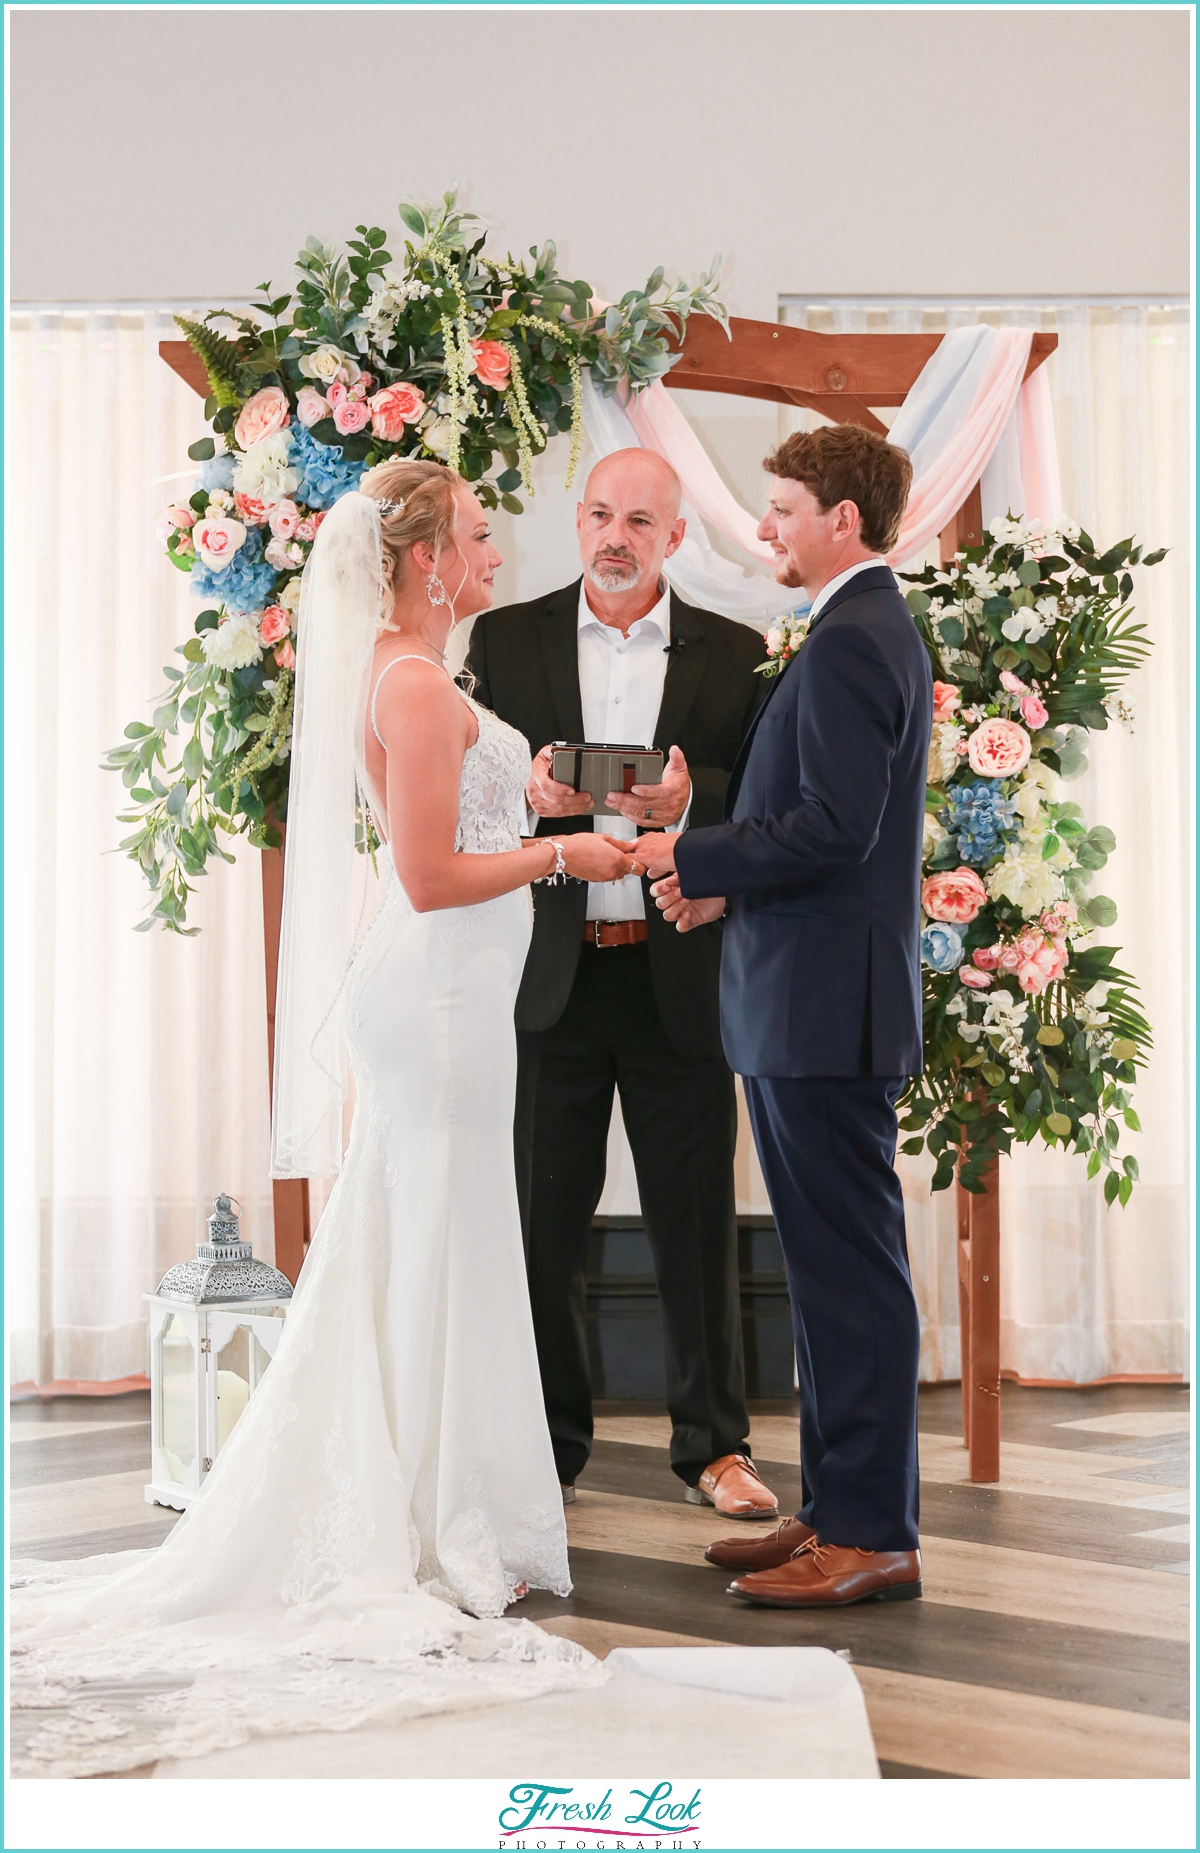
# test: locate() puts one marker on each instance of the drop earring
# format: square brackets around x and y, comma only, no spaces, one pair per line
[438,597]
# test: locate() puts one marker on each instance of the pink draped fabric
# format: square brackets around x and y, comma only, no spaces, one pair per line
[940,487]
[940,492]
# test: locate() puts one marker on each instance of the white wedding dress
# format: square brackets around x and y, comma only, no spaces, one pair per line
[394,1468]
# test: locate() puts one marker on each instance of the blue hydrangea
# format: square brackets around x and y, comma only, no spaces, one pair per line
[217,473]
[978,816]
[245,584]
[941,946]
[325,473]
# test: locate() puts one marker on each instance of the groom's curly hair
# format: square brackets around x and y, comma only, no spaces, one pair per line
[844,463]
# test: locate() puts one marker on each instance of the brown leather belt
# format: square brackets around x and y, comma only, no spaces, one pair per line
[614,932]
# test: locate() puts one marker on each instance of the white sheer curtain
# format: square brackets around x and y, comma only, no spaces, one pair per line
[137,1075]
[1087,1292]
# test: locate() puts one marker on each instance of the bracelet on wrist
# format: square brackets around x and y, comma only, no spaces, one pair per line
[559,870]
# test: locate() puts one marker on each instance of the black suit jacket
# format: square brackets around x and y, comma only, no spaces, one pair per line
[821,856]
[525,660]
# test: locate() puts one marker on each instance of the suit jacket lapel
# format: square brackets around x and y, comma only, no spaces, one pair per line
[558,630]
[739,764]
[685,671]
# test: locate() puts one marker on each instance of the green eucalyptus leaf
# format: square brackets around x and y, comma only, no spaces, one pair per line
[202,450]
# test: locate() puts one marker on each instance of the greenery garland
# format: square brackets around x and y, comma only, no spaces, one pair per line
[449,355]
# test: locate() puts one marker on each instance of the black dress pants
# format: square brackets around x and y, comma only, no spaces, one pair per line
[827,1149]
[680,1115]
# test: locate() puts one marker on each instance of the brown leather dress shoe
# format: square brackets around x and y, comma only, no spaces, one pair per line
[732,1485]
[761,1553]
[821,1576]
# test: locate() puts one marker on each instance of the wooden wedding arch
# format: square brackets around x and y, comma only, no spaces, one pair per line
[844,377]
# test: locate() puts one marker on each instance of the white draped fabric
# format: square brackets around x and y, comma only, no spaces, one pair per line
[137,1062]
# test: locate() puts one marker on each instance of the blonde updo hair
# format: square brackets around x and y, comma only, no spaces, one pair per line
[430,513]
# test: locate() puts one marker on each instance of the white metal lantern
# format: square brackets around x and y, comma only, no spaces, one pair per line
[215,1323]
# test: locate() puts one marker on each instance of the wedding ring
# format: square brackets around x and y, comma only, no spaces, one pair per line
[649,813]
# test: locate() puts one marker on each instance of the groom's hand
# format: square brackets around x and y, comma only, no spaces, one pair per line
[652,806]
[684,914]
[655,855]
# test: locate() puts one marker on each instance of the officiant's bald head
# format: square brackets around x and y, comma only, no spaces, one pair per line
[629,521]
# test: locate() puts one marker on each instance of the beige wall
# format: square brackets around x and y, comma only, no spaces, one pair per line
[174,154]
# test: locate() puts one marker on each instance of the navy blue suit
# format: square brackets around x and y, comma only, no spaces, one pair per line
[820,859]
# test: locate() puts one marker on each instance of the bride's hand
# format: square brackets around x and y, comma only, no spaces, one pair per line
[591,856]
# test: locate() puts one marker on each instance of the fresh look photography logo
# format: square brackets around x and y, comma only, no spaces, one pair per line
[544,1815]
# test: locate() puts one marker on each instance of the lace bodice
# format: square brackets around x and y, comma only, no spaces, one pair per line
[491,795]
[495,773]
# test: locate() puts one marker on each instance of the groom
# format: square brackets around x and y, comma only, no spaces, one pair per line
[821,1006]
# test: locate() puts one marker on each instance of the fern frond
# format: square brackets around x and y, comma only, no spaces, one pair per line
[220,357]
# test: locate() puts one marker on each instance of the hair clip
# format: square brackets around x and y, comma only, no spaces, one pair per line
[388,507]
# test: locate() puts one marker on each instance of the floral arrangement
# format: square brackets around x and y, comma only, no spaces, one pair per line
[448,355]
[783,639]
[1031,1030]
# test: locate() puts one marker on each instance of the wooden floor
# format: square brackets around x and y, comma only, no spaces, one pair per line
[1052,1640]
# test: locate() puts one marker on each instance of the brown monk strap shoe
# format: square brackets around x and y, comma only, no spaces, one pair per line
[821,1576]
[761,1553]
[732,1485]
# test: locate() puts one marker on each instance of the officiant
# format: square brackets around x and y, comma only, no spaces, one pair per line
[613,999]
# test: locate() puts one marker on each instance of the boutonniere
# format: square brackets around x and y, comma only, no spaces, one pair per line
[783,640]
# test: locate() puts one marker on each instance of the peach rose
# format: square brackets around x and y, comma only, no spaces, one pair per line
[170,521]
[274,624]
[306,529]
[1012,683]
[973,978]
[1046,966]
[986,958]
[493,363]
[1033,713]
[285,520]
[1009,959]
[285,656]
[956,895]
[395,407]
[998,748]
[252,511]
[217,541]
[311,406]
[264,413]
[350,416]
[946,700]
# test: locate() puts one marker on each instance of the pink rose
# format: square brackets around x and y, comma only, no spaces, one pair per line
[217,541]
[285,520]
[263,414]
[946,699]
[986,958]
[350,416]
[336,394]
[1051,959]
[998,748]
[974,979]
[170,521]
[1012,683]
[1028,944]
[395,407]
[274,624]
[306,529]
[252,511]
[285,656]
[364,383]
[493,363]
[956,895]
[1033,713]
[1056,920]
[311,408]
[278,555]
[1009,959]
[1031,978]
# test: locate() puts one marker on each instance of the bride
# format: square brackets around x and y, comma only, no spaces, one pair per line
[390,1488]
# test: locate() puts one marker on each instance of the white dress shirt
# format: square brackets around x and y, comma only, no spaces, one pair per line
[827,591]
[621,685]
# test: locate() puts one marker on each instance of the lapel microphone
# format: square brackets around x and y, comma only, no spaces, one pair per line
[673,649]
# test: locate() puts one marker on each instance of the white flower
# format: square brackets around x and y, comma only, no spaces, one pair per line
[943,754]
[234,644]
[436,436]
[970,1032]
[264,472]
[289,598]
[1025,880]
[1070,530]
[328,364]
[774,641]
[1039,786]
[932,836]
[957,1005]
